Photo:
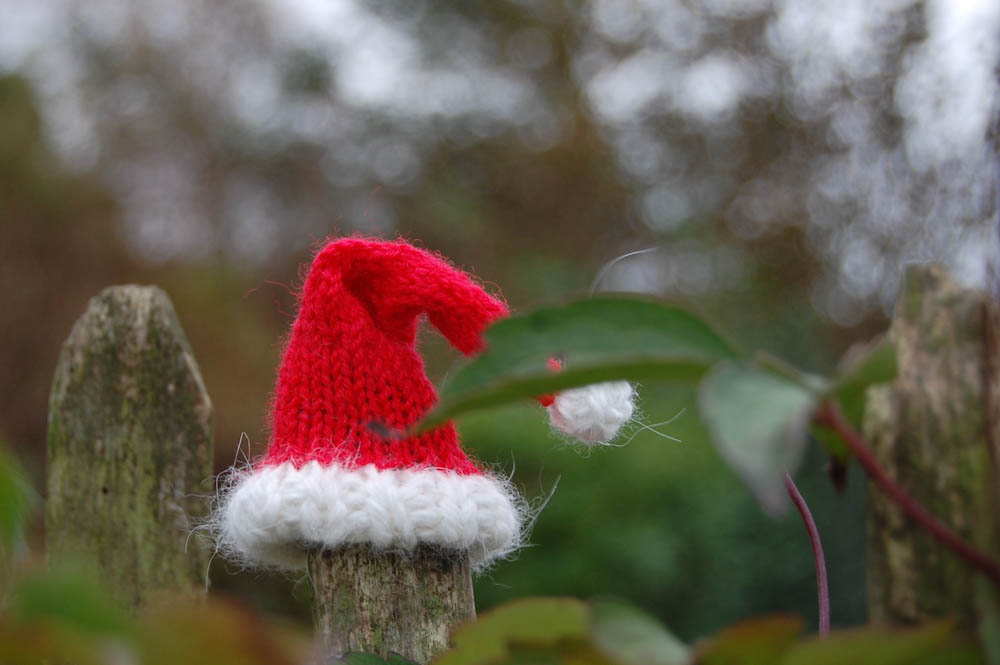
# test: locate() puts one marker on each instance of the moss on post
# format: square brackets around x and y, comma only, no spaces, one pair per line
[383,602]
[934,430]
[129,447]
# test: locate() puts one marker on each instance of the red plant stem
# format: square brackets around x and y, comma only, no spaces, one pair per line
[829,415]
[822,587]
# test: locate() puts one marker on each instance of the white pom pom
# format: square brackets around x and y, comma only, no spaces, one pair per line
[593,413]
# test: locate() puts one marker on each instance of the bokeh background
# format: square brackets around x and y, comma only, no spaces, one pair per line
[780,160]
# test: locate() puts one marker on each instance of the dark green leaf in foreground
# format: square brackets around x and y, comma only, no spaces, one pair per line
[532,622]
[933,644]
[216,631]
[396,659]
[758,422]
[772,641]
[72,599]
[16,501]
[759,641]
[863,366]
[602,339]
[358,658]
[632,637]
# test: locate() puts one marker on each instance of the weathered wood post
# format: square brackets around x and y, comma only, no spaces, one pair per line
[384,602]
[129,447]
[935,430]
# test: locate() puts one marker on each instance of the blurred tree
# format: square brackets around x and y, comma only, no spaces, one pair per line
[719,126]
[60,246]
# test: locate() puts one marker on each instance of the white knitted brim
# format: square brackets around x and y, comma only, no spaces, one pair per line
[271,516]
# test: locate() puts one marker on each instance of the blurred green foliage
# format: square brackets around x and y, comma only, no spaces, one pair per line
[666,525]
[66,617]
[17,498]
[561,631]
[758,413]
[359,658]
[663,524]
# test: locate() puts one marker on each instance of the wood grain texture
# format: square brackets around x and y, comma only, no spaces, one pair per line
[386,602]
[933,430]
[129,448]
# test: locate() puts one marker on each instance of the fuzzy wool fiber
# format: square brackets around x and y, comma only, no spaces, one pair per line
[593,414]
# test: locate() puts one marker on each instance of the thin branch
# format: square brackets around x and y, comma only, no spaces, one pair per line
[822,586]
[829,415]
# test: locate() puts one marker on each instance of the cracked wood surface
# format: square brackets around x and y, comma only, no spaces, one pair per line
[129,448]
[934,429]
[386,602]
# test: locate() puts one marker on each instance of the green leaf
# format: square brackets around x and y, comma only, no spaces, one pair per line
[863,366]
[866,365]
[565,652]
[758,422]
[532,622]
[934,644]
[17,498]
[632,637]
[758,641]
[358,658]
[70,598]
[177,630]
[832,443]
[396,659]
[32,644]
[602,339]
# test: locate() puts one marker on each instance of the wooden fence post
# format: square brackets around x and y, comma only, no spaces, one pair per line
[129,448]
[935,430]
[383,602]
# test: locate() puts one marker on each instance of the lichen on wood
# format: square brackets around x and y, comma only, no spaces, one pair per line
[129,448]
[932,430]
[389,602]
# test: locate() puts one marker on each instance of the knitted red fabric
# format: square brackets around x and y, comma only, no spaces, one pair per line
[351,380]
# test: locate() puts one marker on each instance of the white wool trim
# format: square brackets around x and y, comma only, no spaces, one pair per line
[272,515]
[593,413]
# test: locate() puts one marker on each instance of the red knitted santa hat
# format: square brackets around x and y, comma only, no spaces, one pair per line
[339,468]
